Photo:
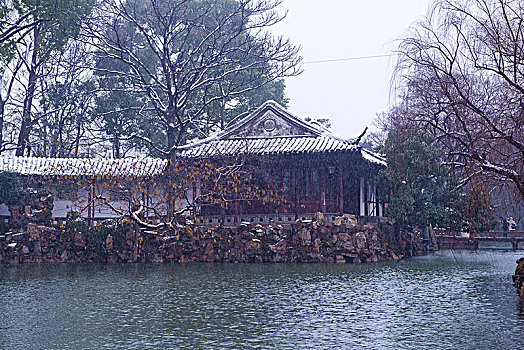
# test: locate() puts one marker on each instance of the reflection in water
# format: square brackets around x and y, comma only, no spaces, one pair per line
[428,302]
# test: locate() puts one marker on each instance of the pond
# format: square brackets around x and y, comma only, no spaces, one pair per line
[445,300]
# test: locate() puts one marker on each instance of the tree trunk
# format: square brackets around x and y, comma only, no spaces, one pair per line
[116,145]
[77,141]
[25,128]
[176,131]
[2,109]
[222,114]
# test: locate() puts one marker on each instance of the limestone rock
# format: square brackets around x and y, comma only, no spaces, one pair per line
[394,256]
[33,230]
[15,212]
[109,242]
[317,244]
[343,236]
[18,236]
[305,236]
[279,247]
[343,241]
[80,241]
[254,244]
[319,218]
[37,248]
[360,239]
[372,258]
[351,220]
[348,246]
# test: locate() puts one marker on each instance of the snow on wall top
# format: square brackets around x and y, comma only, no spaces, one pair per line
[82,166]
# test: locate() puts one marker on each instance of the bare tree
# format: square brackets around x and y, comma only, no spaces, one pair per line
[8,76]
[184,55]
[16,21]
[462,75]
[63,114]
[30,32]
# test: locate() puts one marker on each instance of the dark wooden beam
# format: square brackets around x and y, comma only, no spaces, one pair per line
[340,190]
[322,175]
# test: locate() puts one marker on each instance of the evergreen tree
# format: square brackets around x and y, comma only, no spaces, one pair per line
[420,190]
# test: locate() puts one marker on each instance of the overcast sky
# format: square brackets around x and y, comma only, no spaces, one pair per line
[349,93]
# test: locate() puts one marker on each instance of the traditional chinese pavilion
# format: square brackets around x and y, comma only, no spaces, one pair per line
[314,169]
[307,166]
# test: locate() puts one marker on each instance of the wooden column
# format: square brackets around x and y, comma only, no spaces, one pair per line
[322,179]
[91,201]
[193,200]
[147,201]
[362,197]
[144,196]
[340,191]
[93,188]
[368,198]
[295,190]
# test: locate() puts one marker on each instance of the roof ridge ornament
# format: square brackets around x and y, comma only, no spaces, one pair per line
[359,138]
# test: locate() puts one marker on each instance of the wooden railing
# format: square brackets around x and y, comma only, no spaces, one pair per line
[499,234]
[483,235]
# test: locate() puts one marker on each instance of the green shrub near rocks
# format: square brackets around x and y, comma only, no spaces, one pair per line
[11,190]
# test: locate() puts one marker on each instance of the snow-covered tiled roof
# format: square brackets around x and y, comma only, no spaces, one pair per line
[270,145]
[243,137]
[247,136]
[82,166]
[373,157]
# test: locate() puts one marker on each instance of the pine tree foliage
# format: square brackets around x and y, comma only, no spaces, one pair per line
[421,191]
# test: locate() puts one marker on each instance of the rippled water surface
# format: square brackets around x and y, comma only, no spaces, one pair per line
[439,301]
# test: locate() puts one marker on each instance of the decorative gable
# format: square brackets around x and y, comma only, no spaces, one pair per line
[272,130]
[270,121]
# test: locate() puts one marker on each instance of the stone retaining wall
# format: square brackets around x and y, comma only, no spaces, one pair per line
[342,241]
